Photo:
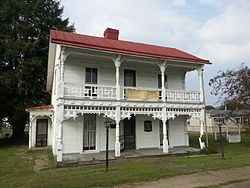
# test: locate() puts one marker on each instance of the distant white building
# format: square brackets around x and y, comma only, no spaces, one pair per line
[233,121]
[139,87]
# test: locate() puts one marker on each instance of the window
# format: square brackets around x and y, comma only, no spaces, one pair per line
[91,76]
[130,78]
[147,126]
[159,81]
[112,126]
[237,120]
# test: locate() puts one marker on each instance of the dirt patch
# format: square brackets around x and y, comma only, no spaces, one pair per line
[182,168]
[244,184]
[41,162]
[21,152]
[41,158]
[197,179]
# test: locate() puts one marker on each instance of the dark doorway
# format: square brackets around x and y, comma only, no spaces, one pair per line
[89,132]
[129,133]
[41,132]
[160,83]
[161,132]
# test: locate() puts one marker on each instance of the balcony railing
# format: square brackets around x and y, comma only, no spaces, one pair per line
[182,96]
[90,91]
[108,92]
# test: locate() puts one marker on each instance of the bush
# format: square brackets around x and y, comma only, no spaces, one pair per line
[209,150]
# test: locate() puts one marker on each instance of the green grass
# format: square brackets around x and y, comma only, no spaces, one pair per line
[16,163]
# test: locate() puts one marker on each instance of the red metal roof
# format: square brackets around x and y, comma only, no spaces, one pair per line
[43,107]
[119,46]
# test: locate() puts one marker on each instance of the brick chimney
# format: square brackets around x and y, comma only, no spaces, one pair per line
[110,33]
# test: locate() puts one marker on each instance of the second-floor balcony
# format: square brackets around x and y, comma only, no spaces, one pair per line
[108,92]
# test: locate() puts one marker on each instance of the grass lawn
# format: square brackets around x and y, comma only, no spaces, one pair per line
[16,163]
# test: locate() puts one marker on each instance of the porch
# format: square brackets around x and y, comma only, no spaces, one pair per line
[94,158]
[109,92]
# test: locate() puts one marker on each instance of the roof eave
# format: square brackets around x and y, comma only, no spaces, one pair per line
[79,45]
[51,65]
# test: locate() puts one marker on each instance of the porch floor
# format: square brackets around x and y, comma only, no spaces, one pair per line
[94,158]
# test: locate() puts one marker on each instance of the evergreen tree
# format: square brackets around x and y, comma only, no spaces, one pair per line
[24,42]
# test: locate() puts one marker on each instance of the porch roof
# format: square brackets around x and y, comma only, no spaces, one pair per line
[43,107]
[125,47]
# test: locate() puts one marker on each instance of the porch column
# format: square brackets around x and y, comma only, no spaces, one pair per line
[165,139]
[200,74]
[117,139]
[203,113]
[63,56]
[202,144]
[62,59]
[30,134]
[61,83]
[164,125]
[186,133]
[59,143]
[117,133]
[117,61]
[163,89]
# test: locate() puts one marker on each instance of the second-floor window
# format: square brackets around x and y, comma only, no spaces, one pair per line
[160,82]
[91,76]
[129,78]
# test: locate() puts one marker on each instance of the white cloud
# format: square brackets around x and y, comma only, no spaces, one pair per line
[212,29]
[230,26]
[179,2]
[225,38]
[146,21]
[226,54]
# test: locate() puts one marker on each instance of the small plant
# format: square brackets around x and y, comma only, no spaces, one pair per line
[209,150]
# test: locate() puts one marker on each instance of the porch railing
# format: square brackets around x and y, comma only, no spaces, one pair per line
[108,92]
[182,95]
[90,91]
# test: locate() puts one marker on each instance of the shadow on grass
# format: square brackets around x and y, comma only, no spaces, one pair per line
[7,142]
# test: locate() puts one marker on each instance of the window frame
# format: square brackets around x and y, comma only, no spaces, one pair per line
[91,70]
[129,71]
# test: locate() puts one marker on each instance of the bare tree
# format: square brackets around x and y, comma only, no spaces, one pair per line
[232,85]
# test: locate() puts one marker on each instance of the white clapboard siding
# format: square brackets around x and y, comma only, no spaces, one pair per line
[71,136]
[147,139]
[146,75]
[73,73]
[177,132]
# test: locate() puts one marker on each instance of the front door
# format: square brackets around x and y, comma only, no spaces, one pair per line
[89,132]
[41,132]
[129,133]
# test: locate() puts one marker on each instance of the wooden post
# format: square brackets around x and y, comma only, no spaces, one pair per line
[221,144]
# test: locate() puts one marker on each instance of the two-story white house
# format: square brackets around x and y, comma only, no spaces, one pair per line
[140,88]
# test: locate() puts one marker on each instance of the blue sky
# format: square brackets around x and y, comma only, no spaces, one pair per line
[217,30]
